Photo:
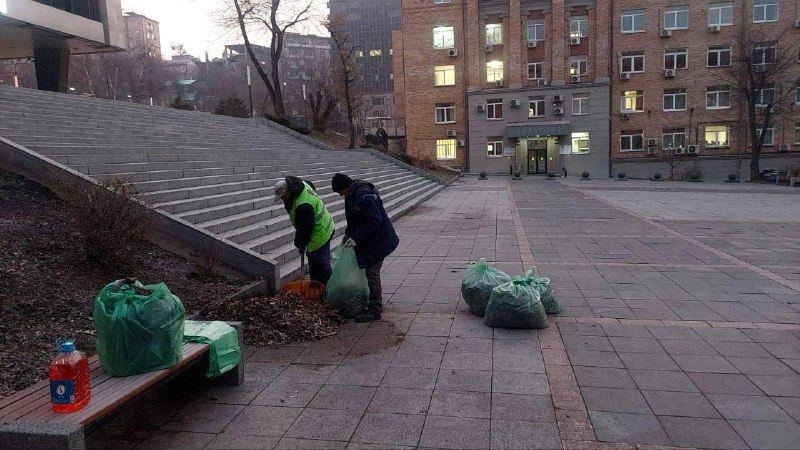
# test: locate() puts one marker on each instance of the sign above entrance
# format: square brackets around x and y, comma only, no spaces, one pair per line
[509,151]
[545,129]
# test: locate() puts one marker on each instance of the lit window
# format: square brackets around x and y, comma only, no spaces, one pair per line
[444,75]
[374,53]
[535,30]
[580,142]
[445,113]
[675,100]
[716,136]
[443,37]
[631,141]
[676,18]
[633,62]
[494,146]
[494,34]
[579,26]
[676,59]
[580,104]
[494,109]
[720,14]
[359,53]
[535,71]
[632,101]
[536,107]
[719,56]
[718,97]
[578,66]
[765,11]
[445,149]
[674,138]
[494,71]
[633,21]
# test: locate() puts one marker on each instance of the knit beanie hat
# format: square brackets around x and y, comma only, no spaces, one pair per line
[341,182]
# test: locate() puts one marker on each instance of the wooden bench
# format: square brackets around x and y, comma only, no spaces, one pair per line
[27,420]
[792,177]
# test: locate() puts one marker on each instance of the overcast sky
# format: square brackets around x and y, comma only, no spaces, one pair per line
[192,23]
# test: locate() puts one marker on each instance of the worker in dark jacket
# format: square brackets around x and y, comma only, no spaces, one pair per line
[370,231]
[313,224]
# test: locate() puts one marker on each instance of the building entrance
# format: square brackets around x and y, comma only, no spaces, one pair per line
[537,156]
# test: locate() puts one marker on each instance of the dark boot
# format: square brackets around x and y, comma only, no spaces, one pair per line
[368,316]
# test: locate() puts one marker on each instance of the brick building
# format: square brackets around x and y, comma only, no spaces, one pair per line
[143,35]
[492,85]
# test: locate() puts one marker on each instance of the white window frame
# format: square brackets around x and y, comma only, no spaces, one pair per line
[630,16]
[632,59]
[763,51]
[580,105]
[716,143]
[446,110]
[494,73]
[637,98]
[769,140]
[762,10]
[449,149]
[673,97]
[631,137]
[441,2]
[797,133]
[493,108]
[536,108]
[760,97]
[494,34]
[538,67]
[672,133]
[676,14]
[444,37]
[717,94]
[579,26]
[537,26]
[578,139]
[719,50]
[676,54]
[582,65]
[717,13]
[497,148]
[444,71]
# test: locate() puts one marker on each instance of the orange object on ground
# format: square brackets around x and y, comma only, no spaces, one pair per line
[309,290]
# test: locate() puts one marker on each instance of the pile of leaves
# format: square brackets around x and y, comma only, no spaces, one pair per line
[280,319]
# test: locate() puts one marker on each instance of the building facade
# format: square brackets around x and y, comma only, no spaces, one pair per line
[305,56]
[507,85]
[142,34]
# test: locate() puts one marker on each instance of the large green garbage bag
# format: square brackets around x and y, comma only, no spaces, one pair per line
[551,305]
[224,352]
[139,328]
[476,286]
[347,290]
[515,305]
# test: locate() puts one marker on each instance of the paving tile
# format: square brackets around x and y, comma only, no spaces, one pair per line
[179,440]
[303,444]
[455,433]
[430,327]
[263,421]
[604,377]
[721,383]
[520,383]
[704,433]
[626,331]
[682,333]
[470,345]
[776,336]
[358,375]
[325,424]
[702,363]
[471,329]
[615,400]
[636,345]
[516,334]
[741,349]
[681,404]
[768,435]
[355,398]
[401,401]
[228,441]
[424,343]
[628,428]
[662,380]
[242,394]
[306,373]
[426,360]
[722,335]
[789,351]
[203,418]
[263,372]
[275,354]
[581,342]
[778,386]
[464,360]
[761,366]
[461,404]
[464,380]
[507,434]
[529,408]
[748,407]
[687,347]
[389,429]
[789,404]
[410,377]
[648,361]
[594,358]
[287,394]
[517,363]
[793,363]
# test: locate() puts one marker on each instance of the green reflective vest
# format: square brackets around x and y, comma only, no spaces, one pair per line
[323,222]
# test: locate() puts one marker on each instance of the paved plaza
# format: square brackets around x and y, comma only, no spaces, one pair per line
[680,327]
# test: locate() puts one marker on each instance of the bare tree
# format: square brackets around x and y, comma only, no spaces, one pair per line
[178,49]
[116,76]
[267,16]
[345,71]
[321,96]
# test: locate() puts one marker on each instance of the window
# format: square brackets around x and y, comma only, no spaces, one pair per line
[797,133]
[445,113]
[674,99]
[445,149]
[632,101]
[797,93]
[765,11]
[444,75]
[631,141]
[676,18]
[441,2]
[359,53]
[719,56]
[374,53]
[378,101]
[494,109]
[765,97]
[578,66]
[494,71]
[494,34]
[720,14]
[580,142]
[494,146]
[580,104]
[716,136]
[535,71]
[633,62]
[579,26]
[765,53]
[718,97]
[536,107]
[676,59]
[535,30]
[674,138]
[769,134]
[633,21]
[443,37]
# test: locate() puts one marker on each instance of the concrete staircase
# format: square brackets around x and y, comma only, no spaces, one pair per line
[213,172]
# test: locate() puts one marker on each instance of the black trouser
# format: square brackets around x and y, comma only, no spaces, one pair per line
[319,263]
[375,288]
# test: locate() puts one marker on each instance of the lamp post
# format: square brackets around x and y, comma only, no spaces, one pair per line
[250,90]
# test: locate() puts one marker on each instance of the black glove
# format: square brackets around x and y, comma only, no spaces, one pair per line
[301,251]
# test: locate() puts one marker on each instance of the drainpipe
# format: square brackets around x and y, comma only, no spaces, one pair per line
[465,78]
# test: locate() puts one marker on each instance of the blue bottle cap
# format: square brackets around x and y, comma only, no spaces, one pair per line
[64,345]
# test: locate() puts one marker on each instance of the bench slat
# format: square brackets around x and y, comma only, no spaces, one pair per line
[42,407]
[94,363]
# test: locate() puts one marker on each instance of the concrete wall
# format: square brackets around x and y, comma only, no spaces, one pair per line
[714,168]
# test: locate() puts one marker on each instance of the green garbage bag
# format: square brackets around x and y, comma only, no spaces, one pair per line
[224,352]
[139,328]
[477,284]
[551,305]
[515,305]
[347,290]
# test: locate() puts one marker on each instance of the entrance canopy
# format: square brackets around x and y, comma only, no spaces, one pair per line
[540,129]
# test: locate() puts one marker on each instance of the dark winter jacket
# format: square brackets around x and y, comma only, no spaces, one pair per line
[369,225]
[305,213]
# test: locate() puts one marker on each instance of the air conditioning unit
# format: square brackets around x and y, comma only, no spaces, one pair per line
[538,82]
[651,150]
[714,28]
[498,83]
[625,116]
[480,108]
[558,98]
[692,150]
[460,143]
[651,143]
[452,52]
[680,151]
[575,79]
[797,23]
[489,48]
[452,133]
[575,41]
[670,73]
[531,44]
[666,33]
[624,76]
[759,68]
[558,111]
[784,147]
[515,103]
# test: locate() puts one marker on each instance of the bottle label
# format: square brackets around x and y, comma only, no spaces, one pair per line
[62,391]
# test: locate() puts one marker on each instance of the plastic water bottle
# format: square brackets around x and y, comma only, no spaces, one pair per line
[69,378]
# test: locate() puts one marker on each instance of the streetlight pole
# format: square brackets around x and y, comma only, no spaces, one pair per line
[250,90]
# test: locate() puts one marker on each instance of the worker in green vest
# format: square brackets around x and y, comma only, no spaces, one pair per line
[312,222]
